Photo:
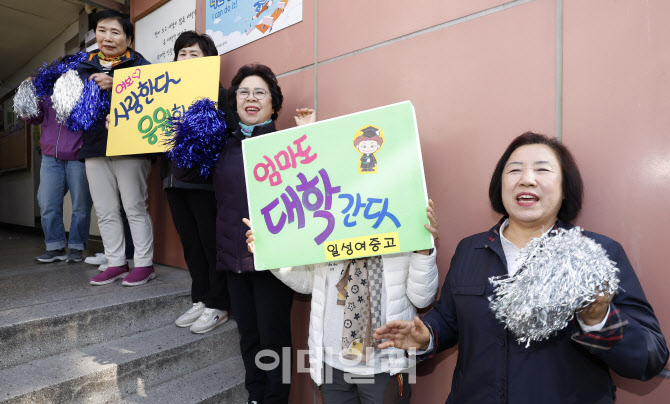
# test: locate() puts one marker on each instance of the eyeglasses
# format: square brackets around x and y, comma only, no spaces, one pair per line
[259,93]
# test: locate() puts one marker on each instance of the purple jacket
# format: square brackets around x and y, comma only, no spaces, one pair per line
[57,140]
[231,205]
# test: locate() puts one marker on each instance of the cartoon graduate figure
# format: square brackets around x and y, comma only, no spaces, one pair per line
[368,141]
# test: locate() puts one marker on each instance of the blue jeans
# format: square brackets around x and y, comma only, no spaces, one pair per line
[56,178]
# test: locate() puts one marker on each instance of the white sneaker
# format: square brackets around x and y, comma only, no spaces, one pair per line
[99,259]
[187,319]
[102,267]
[210,319]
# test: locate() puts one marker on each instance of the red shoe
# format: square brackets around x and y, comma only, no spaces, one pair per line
[110,275]
[139,276]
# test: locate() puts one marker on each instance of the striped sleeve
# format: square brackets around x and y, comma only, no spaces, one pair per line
[432,347]
[607,337]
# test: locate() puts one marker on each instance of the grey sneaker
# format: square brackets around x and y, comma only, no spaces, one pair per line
[51,256]
[187,319]
[73,256]
[209,320]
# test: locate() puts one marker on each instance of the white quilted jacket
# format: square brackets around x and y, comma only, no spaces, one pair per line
[410,279]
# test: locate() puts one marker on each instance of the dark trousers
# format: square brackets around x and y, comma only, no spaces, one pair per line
[130,247]
[262,308]
[375,389]
[194,216]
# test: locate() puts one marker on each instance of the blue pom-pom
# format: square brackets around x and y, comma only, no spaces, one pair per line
[46,76]
[92,107]
[197,137]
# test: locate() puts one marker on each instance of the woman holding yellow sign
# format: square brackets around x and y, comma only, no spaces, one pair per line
[122,176]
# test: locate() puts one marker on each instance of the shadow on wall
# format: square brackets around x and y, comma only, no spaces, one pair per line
[635,387]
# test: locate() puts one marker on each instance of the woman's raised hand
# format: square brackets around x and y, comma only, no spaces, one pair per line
[103,80]
[432,220]
[250,236]
[403,334]
[432,226]
[304,116]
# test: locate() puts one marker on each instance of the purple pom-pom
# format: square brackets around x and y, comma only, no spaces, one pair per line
[46,76]
[92,107]
[197,137]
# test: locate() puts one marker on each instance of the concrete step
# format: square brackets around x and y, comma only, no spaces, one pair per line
[115,369]
[50,309]
[222,382]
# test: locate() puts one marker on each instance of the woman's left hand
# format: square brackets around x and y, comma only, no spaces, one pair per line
[595,312]
[103,80]
[432,226]
[250,236]
[304,116]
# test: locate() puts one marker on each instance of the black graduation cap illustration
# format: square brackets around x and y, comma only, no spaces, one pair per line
[370,132]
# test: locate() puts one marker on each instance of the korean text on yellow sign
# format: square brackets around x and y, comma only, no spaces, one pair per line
[144,97]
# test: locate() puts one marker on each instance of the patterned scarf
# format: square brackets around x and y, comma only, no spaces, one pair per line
[360,293]
[247,130]
[109,63]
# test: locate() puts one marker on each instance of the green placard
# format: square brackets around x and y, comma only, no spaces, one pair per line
[343,188]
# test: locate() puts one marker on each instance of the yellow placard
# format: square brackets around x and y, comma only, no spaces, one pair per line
[144,97]
[365,246]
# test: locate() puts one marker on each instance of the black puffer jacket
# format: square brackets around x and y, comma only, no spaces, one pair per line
[95,139]
[231,203]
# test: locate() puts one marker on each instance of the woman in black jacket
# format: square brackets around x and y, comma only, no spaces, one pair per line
[193,209]
[261,302]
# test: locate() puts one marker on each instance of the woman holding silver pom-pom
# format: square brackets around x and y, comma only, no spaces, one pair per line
[60,172]
[537,186]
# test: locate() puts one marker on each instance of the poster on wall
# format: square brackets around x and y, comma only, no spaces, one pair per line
[8,116]
[145,97]
[235,23]
[156,33]
[343,188]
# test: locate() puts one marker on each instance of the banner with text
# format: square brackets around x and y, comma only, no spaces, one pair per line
[343,188]
[144,97]
[156,33]
[234,23]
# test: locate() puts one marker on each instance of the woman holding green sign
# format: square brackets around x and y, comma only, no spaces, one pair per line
[350,299]
[261,303]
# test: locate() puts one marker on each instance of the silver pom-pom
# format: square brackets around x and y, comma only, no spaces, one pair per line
[561,274]
[26,103]
[67,91]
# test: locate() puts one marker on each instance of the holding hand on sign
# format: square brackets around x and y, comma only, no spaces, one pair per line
[304,116]
[354,294]
[431,226]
